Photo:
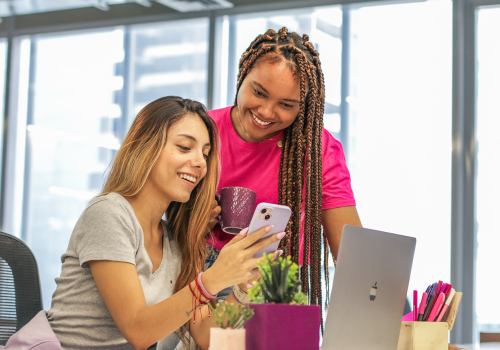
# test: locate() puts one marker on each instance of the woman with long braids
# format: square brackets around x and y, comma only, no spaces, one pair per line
[130,279]
[273,142]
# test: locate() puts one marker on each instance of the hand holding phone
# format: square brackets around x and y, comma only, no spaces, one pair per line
[269,214]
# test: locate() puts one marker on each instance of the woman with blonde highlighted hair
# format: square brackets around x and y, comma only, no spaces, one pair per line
[130,279]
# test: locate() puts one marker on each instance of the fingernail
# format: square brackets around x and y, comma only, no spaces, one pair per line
[244,231]
[269,228]
[281,235]
[280,252]
[249,285]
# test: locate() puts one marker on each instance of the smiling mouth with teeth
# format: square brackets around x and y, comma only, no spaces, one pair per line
[259,121]
[188,178]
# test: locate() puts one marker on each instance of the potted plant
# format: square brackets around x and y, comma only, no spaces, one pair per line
[282,320]
[230,335]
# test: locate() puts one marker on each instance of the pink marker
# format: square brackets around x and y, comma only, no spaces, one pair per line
[436,307]
[445,307]
[415,305]
[421,309]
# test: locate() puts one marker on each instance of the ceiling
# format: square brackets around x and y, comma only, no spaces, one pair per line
[23,7]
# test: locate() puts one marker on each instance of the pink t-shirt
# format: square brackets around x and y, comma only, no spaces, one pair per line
[255,165]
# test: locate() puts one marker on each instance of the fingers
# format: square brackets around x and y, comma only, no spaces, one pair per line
[216,209]
[265,242]
[237,238]
[275,256]
[255,236]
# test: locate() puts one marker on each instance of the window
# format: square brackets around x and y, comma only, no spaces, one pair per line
[87,88]
[401,181]
[167,59]
[399,140]
[72,130]
[488,169]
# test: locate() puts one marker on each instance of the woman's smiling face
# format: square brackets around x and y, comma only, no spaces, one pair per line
[268,101]
[182,162]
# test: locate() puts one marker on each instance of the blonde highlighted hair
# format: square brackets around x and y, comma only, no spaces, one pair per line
[135,159]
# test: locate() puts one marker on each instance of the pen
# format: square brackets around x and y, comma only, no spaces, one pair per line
[437,304]
[436,294]
[448,290]
[443,288]
[421,309]
[430,299]
[440,306]
[445,306]
[415,305]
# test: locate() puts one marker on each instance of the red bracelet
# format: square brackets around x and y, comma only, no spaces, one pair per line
[193,304]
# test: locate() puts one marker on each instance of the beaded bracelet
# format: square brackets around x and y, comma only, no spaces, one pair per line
[205,293]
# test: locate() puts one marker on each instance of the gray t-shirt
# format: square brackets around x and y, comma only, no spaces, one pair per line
[107,230]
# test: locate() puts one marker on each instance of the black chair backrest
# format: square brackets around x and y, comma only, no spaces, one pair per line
[20,293]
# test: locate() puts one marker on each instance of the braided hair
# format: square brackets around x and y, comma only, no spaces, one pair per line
[301,151]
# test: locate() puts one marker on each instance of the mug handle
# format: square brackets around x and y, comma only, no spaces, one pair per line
[217,198]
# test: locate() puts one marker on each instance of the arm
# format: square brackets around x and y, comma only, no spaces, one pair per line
[143,325]
[333,221]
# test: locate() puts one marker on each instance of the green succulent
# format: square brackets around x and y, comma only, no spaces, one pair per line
[280,283]
[231,315]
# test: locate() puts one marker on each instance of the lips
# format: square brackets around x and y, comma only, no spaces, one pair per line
[260,121]
[188,177]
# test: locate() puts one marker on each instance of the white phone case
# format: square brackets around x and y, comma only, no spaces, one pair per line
[279,218]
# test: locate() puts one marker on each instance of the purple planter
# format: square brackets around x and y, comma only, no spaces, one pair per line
[282,326]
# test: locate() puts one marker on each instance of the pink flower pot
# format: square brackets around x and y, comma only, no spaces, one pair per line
[283,326]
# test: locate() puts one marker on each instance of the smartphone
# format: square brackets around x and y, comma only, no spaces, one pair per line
[269,214]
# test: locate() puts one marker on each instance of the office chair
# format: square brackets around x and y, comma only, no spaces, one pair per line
[20,293]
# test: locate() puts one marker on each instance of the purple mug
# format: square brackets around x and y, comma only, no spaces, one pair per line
[237,206]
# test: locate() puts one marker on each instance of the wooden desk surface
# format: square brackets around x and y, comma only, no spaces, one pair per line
[482,346]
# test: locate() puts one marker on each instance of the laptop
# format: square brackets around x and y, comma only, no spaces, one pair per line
[369,290]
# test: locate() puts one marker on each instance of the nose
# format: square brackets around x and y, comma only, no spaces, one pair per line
[266,110]
[198,160]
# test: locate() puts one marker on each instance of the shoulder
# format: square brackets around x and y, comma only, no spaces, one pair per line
[220,115]
[112,203]
[109,209]
[331,144]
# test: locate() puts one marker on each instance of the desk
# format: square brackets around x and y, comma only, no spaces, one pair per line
[482,346]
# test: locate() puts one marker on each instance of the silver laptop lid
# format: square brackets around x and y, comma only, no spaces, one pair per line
[369,290]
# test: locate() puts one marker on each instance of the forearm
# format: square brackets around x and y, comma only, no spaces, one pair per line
[155,322]
[333,221]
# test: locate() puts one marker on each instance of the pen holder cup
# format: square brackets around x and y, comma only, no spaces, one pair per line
[422,335]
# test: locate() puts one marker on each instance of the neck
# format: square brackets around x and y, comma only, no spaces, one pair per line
[148,207]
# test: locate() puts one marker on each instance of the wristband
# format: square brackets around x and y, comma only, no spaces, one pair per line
[206,294]
[234,296]
[240,295]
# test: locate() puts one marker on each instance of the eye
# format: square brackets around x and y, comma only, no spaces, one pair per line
[287,105]
[205,156]
[257,92]
[184,148]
